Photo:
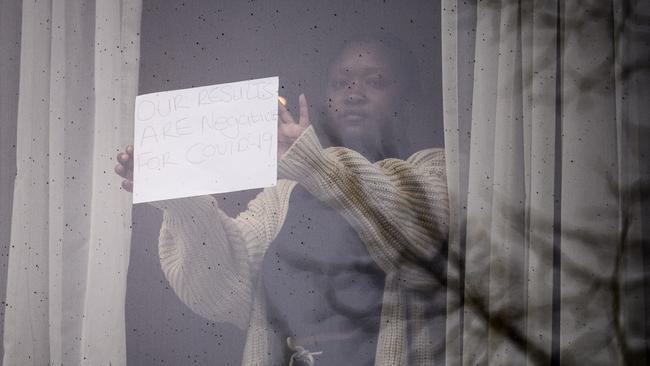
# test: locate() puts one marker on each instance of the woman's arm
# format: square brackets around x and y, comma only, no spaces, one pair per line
[398,207]
[212,260]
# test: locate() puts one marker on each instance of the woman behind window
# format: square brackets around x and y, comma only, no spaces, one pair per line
[339,263]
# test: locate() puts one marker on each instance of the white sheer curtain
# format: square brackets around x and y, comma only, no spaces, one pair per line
[542,161]
[9,60]
[70,226]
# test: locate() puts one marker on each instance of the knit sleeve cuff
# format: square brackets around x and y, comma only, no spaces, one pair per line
[306,161]
[182,209]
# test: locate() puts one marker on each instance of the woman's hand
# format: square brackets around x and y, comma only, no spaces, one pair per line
[288,129]
[124,168]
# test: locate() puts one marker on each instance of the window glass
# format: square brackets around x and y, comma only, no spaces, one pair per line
[370,72]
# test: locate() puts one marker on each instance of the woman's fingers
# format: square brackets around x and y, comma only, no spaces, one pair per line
[124,172]
[127,185]
[120,170]
[127,174]
[126,157]
[304,111]
[303,117]
[285,115]
[288,128]
[124,167]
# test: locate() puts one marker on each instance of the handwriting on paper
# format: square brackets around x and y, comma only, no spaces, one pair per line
[205,140]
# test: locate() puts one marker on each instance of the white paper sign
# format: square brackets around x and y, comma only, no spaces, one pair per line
[211,139]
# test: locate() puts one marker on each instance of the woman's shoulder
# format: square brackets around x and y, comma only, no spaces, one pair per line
[423,159]
[430,161]
[424,163]
[434,155]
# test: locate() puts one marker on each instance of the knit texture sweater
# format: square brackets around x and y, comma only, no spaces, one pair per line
[399,209]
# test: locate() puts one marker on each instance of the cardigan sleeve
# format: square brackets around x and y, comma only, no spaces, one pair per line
[212,260]
[399,208]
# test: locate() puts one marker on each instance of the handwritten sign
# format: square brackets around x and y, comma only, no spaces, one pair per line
[211,139]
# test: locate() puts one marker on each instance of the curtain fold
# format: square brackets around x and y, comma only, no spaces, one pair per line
[589,209]
[540,260]
[9,65]
[70,230]
[458,31]
[632,97]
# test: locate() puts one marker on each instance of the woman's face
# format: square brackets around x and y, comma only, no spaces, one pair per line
[363,94]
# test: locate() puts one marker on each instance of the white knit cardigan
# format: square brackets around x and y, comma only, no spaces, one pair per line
[398,208]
